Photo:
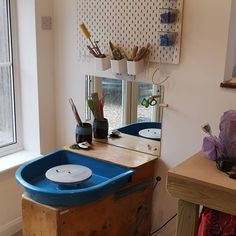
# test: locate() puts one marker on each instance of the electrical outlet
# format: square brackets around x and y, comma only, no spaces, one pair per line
[46,22]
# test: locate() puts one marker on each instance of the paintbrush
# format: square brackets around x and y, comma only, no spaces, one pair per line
[102,100]
[76,114]
[90,105]
[133,53]
[99,51]
[116,52]
[87,35]
[144,51]
[92,51]
[96,106]
[207,129]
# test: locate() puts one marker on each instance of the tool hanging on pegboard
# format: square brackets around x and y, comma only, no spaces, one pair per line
[133,22]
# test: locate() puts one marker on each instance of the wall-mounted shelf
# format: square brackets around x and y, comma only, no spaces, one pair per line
[229,83]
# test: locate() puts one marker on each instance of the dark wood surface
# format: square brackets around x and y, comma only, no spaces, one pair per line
[228,85]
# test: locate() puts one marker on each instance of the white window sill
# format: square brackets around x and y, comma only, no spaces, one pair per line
[16,159]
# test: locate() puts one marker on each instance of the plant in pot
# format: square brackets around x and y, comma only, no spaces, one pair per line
[101,60]
[100,124]
[83,132]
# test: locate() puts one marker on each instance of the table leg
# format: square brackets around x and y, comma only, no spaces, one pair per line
[188,216]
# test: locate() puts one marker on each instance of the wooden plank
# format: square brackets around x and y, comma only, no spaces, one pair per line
[134,143]
[109,217]
[229,83]
[188,217]
[38,219]
[117,155]
[144,172]
[202,195]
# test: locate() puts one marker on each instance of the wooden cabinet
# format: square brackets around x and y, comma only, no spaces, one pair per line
[126,212]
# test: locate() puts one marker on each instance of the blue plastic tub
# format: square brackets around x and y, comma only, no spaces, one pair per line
[106,178]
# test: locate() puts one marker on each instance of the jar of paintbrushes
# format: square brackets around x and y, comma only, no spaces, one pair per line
[83,132]
[102,62]
[100,124]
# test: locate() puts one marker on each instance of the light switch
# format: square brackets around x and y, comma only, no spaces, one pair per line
[46,22]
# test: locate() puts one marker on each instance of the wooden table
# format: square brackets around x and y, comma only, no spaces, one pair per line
[196,182]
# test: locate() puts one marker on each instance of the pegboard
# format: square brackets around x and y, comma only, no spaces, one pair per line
[129,23]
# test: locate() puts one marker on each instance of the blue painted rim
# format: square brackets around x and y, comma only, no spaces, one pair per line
[31,187]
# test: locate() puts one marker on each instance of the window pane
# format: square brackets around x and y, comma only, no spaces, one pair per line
[6,108]
[112,90]
[4,32]
[144,91]
[7,117]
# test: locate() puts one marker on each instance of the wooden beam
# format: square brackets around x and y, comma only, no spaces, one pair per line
[229,83]
[197,180]
[188,217]
[39,219]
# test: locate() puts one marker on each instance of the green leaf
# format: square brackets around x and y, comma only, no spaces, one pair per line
[90,105]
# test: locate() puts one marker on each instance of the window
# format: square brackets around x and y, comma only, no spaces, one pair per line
[8,122]
[144,91]
[113,102]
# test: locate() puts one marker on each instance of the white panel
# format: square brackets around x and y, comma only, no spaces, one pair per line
[129,23]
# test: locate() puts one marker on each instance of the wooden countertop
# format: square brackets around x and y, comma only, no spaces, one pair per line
[118,155]
[135,143]
[197,180]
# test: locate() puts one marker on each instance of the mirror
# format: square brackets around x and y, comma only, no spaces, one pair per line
[126,110]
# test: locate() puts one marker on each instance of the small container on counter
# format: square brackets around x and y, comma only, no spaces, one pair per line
[100,129]
[83,133]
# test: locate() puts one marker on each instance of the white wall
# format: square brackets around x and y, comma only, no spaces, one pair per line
[28,73]
[193,91]
[10,204]
[38,101]
[36,60]
[46,83]
[10,217]
[69,80]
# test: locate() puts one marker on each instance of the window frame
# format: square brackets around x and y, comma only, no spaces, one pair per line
[14,63]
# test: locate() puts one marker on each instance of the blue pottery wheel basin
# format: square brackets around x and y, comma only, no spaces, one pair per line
[105,179]
[137,129]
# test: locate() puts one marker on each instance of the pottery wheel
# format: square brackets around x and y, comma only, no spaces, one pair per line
[150,133]
[68,174]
